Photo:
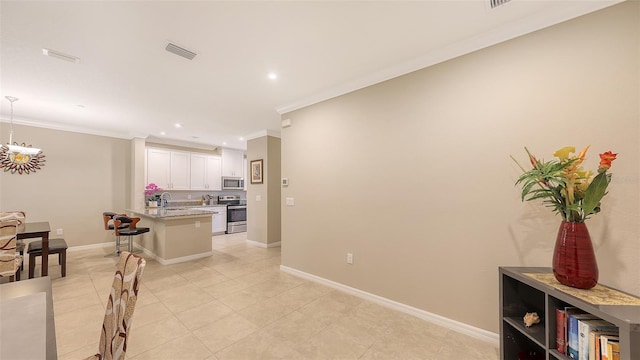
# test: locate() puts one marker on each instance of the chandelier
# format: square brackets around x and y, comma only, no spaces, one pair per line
[20,158]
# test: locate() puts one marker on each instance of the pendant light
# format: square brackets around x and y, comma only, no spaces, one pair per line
[19,158]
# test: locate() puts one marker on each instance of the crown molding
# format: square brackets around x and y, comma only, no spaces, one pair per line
[75,129]
[180,143]
[263,133]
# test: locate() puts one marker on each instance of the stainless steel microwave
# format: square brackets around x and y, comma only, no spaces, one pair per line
[232,183]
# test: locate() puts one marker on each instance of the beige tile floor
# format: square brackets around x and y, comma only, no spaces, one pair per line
[237,304]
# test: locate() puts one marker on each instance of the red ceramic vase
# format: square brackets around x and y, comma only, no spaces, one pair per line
[574,261]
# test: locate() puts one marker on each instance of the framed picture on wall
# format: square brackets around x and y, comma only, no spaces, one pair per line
[256,171]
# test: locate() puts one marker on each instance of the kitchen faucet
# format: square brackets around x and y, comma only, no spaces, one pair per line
[163,201]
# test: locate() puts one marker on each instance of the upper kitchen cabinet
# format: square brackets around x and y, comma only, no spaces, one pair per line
[206,172]
[232,163]
[168,169]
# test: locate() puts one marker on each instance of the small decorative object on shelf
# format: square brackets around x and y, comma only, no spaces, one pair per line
[575,194]
[152,191]
[531,319]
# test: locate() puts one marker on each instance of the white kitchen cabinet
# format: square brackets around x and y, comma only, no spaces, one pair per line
[232,163]
[198,171]
[206,172]
[219,220]
[159,167]
[168,169]
[180,170]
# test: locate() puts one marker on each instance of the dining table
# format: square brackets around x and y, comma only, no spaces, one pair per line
[27,329]
[41,229]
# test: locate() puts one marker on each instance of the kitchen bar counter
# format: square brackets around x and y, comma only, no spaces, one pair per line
[168,213]
[176,234]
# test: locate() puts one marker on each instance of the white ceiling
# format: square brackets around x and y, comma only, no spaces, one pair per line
[127,85]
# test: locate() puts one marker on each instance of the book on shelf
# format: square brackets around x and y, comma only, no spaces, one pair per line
[573,333]
[606,349]
[594,343]
[613,349]
[568,311]
[584,328]
[561,331]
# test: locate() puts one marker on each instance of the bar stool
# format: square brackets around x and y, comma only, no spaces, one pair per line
[129,231]
[56,246]
[107,217]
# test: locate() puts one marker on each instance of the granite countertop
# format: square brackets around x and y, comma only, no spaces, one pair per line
[178,212]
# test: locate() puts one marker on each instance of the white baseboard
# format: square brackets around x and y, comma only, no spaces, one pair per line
[146,251]
[174,260]
[93,246]
[263,245]
[454,325]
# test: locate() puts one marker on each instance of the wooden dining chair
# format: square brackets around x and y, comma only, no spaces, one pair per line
[10,261]
[20,217]
[56,246]
[118,315]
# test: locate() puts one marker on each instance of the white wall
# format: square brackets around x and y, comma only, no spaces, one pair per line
[413,175]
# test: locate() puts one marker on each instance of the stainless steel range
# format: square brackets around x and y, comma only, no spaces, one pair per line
[236,213]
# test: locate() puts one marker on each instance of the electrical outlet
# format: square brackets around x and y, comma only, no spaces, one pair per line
[197,224]
[290,201]
[258,197]
[59,232]
[349,258]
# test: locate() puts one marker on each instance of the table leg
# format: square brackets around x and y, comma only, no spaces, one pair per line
[45,254]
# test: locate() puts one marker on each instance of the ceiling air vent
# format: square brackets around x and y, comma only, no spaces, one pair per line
[496,3]
[61,56]
[180,51]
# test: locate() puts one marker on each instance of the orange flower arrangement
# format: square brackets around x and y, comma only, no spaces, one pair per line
[564,185]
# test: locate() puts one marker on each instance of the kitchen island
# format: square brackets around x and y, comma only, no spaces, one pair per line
[176,234]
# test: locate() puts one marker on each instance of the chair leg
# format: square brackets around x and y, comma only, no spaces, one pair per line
[118,245]
[18,274]
[62,258]
[32,265]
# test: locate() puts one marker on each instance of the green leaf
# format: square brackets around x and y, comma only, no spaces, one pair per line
[596,190]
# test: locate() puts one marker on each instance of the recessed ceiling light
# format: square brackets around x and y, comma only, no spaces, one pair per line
[80,106]
[224,143]
[163,133]
[241,139]
[178,125]
[272,76]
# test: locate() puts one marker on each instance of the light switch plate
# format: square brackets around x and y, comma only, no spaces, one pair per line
[258,197]
[290,201]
